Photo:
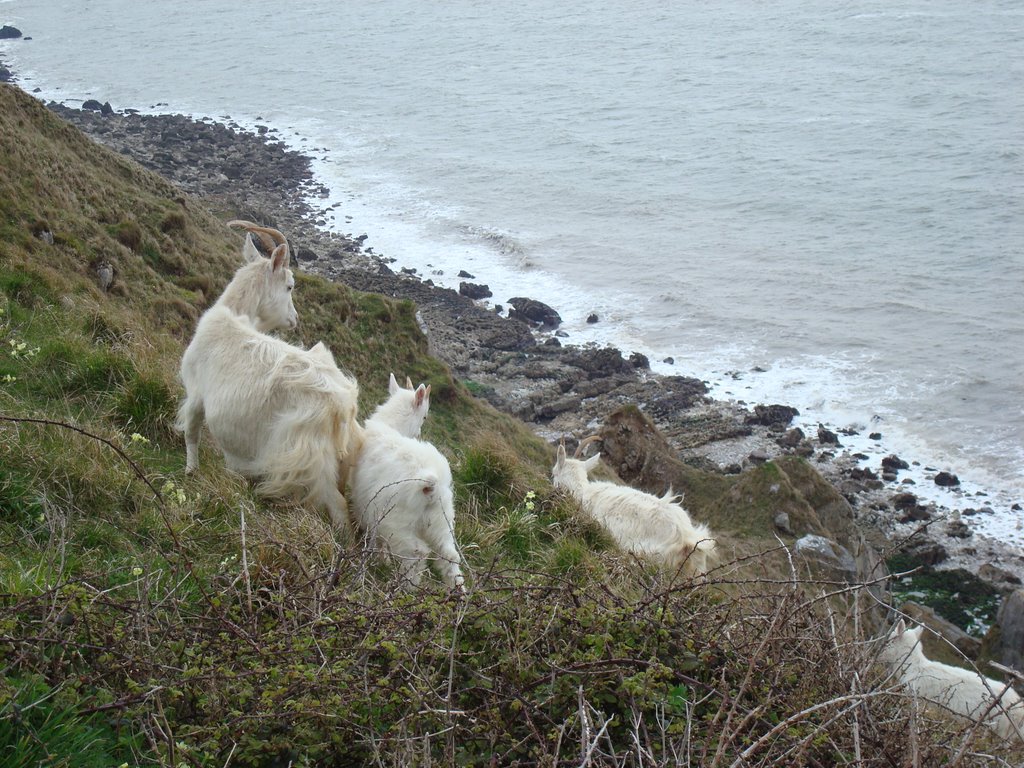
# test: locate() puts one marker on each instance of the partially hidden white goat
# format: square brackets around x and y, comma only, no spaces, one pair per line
[401,489]
[651,527]
[961,691]
[278,412]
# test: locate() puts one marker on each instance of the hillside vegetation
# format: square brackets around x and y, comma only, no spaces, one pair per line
[147,618]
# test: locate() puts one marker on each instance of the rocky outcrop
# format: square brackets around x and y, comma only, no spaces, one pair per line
[752,503]
[1005,640]
[8,32]
[534,311]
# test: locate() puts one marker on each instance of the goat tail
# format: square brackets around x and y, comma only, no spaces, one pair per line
[693,551]
[309,449]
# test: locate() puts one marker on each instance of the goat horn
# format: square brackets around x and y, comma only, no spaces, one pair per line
[271,238]
[584,443]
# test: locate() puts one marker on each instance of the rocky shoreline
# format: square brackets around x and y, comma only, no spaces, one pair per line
[521,366]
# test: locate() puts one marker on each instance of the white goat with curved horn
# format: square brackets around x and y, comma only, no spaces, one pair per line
[651,527]
[278,412]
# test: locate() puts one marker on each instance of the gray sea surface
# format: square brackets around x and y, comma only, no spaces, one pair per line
[812,202]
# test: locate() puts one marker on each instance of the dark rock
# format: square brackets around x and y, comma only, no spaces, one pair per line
[92,105]
[683,393]
[600,363]
[861,473]
[304,254]
[6,75]
[638,360]
[669,361]
[997,575]
[592,318]
[758,457]
[925,551]
[475,291]
[465,275]
[875,436]
[772,415]
[827,436]
[9,33]
[791,439]
[894,462]
[904,501]
[552,342]
[947,480]
[534,311]
[1008,645]
[958,529]
[106,110]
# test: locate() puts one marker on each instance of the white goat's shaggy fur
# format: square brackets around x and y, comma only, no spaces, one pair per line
[405,409]
[278,412]
[401,494]
[962,691]
[653,528]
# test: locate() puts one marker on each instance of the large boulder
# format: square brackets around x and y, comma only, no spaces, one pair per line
[1005,640]
[778,416]
[9,33]
[827,557]
[533,311]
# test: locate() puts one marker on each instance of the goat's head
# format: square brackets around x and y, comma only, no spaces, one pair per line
[264,285]
[572,473]
[902,643]
[406,407]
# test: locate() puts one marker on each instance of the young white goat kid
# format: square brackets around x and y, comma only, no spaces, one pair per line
[401,489]
[651,527]
[278,412]
[962,691]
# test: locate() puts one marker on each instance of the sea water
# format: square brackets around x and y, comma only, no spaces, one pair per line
[812,203]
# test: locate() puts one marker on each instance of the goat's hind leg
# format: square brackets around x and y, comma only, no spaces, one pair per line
[190,421]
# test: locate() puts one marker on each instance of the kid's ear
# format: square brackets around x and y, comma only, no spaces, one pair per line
[392,384]
[592,462]
[900,628]
[421,394]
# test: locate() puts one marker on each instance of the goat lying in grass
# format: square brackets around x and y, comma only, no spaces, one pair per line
[651,527]
[401,489]
[280,413]
[962,691]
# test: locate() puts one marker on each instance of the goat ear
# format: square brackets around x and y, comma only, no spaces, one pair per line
[280,258]
[900,628]
[421,393]
[560,455]
[408,383]
[592,461]
[249,251]
[393,385]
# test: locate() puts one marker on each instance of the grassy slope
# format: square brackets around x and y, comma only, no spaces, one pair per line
[130,630]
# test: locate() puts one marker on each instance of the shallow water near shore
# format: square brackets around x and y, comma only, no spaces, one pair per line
[800,203]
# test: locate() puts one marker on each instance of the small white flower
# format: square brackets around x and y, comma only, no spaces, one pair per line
[137,571]
[137,438]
